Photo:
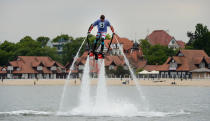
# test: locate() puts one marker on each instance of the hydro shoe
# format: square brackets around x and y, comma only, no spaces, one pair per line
[100,56]
[91,54]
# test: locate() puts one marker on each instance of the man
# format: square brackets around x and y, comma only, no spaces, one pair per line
[102,25]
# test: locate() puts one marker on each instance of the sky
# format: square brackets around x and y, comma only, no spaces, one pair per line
[133,19]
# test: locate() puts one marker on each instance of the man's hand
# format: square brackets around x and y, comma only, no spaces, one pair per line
[111,27]
[90,28]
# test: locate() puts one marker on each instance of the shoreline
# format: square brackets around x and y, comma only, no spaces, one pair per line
[109,81]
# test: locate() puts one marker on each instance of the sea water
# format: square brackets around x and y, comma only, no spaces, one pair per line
[29,103]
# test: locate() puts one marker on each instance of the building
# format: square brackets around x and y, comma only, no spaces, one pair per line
[131,50]
[186,64]
[40,67]
[161,37]
[58,45]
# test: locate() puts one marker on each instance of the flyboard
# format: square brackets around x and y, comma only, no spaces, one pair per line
[96,58]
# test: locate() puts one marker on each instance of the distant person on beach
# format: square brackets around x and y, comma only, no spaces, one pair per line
[102,25]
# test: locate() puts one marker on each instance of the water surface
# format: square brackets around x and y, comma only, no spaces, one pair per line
[41,103]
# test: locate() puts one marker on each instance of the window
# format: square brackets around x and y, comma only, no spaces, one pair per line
[125,67]
[10,68]
[173,42]
[81,67]
[180,54]
[53,68]
[111,67]
[173,65]
[202,65]
[39,68]
[18,69]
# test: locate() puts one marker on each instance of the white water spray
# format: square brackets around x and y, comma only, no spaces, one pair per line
[68,78]
[85,87]
[144,101]
[101,96]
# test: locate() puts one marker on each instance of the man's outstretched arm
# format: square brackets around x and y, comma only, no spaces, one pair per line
[90,28]
[112,29]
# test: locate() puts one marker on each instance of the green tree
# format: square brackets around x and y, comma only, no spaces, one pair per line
[145,46]
[8,46]
[3,57]
[62,37]
[26,39]
[200,39]
[70,50]
[43,40]
[7,52]
[155,54]
[121,71]
[29,47]
[91,38]
[139,70]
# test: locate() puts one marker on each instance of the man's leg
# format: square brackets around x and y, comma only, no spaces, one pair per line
[103,36]
[96,41]
[102,45]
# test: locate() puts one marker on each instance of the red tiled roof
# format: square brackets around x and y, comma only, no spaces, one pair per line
[26,64]
[179,60]
[194,53]
[127,44]
[159,37]
[188,61]
[152,67]
[16,63]
[181,43]
[117,60]
[46,71]
[25,69]
[135,58]
[197,60]
[163,67]
[37,60]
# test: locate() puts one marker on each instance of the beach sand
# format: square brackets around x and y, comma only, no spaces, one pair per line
[110,81]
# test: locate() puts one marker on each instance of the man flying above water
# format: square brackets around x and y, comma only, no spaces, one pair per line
[102,25]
